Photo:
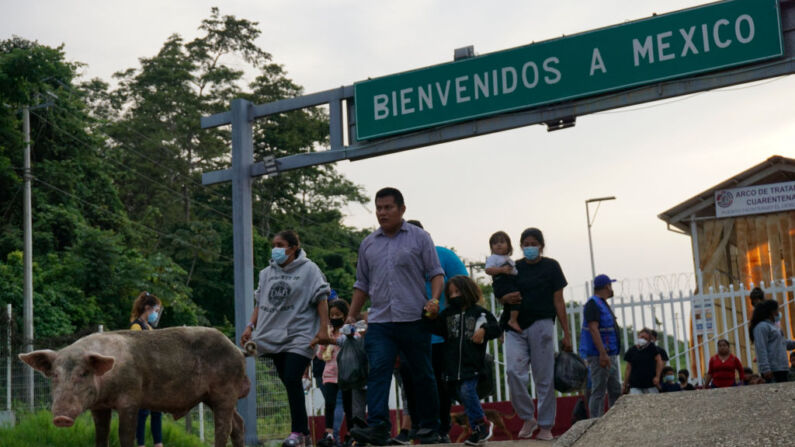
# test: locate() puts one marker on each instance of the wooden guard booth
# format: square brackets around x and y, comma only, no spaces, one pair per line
[751,248]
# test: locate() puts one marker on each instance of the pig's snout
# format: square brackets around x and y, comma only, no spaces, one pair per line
[63,421]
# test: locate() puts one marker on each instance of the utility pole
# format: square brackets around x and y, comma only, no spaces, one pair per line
[28,257]
[27,307]
[590,223]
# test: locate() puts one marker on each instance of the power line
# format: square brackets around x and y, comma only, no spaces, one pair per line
[127,220]
[156,182]
[71,90]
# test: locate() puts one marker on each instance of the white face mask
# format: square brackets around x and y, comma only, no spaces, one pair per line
[642,342]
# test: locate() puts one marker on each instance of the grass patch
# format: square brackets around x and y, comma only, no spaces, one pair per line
[37,430]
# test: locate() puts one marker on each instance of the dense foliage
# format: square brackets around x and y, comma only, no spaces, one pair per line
[118,205]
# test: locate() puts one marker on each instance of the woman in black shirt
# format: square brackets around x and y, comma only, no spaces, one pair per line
[540,300]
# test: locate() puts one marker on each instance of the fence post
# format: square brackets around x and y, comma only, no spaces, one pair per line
[8,360]
[201,421]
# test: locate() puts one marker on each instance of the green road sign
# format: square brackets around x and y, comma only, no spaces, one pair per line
[682,43]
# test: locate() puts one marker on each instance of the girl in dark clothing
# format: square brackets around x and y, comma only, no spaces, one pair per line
[466,327]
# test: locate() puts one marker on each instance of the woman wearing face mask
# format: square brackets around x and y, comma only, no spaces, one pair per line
[145,314]
[722,366]
[290,318]
[540,282]
[771,346]
[644,366]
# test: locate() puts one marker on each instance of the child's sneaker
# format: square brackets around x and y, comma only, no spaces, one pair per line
[481,434]
[294,440]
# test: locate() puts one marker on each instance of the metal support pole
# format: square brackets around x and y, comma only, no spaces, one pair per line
[696,255]
[588,217]
[242,159]
[8,360]
[28,257]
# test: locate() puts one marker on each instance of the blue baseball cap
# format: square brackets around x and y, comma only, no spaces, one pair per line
[601,281]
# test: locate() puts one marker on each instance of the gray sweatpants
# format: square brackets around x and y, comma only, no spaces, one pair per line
[533,348]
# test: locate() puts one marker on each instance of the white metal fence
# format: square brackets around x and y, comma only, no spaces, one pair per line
[688,325]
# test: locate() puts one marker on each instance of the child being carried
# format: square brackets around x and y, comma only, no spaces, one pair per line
[503,271]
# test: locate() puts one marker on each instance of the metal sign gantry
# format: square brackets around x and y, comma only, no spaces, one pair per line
[345,146]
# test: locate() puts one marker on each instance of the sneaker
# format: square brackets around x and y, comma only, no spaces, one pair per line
[528,428]
[427,436]
[349,442]
[327,441]
[373,434]
[545,434]
[294,440]
[401,439]
[445,439]
[481,434]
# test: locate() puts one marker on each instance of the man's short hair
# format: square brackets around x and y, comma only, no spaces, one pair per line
[390,192]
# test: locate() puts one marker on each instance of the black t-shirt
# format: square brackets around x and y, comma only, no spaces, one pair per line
[644,365]
[592,314]
[537,284]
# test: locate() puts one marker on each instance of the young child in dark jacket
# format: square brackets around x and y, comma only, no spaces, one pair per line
[466,327]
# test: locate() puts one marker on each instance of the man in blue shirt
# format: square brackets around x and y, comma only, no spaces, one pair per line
[600,346]
[394,262]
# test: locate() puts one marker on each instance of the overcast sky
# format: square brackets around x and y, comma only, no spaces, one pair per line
[651,157]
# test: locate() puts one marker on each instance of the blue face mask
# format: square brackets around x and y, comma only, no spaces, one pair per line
[531,253]
[152,318]
[669,378]
[278,255]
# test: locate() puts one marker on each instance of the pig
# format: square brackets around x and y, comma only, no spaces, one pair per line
[168,370]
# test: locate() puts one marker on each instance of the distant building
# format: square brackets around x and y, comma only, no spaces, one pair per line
[743,232]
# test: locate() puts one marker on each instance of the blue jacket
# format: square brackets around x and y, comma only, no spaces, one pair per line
[452,266]
[607,329]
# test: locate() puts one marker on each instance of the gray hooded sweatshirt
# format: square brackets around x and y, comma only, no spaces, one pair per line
[286,299]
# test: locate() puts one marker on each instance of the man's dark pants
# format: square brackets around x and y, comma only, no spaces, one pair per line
[383,342]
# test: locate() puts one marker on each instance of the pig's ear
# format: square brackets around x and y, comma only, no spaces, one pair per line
[100,364]
[40,360]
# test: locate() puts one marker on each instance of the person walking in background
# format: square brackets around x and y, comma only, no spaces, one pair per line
[338,309]
[394,263]
[771,346]
[600,345]
[660,348]
[540,282]
[289,319]
[145,314]
[466,327]
[503,270]
[722,367]
[451,266]
[757,296]
[644,365]
[669,383]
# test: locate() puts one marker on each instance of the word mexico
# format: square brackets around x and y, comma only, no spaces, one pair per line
[682,43]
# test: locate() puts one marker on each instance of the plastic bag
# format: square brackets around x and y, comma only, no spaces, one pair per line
[352,364]
[570,372]
[487,381]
